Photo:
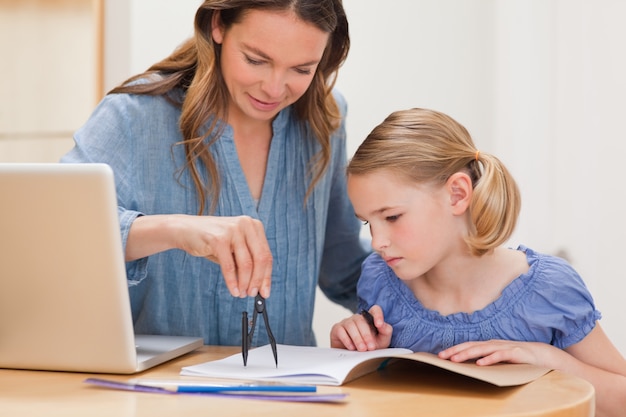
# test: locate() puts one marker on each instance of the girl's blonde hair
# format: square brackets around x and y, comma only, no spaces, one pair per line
[426,146]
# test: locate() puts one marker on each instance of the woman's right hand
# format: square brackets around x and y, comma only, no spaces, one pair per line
[238,244]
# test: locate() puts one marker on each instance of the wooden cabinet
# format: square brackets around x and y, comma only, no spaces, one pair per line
[51,75]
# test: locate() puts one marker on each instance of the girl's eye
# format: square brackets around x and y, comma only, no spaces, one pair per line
[392,218]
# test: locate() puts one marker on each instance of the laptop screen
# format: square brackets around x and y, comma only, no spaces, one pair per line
[64,301]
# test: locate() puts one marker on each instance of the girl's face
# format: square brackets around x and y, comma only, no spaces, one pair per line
[268,61]
[413,226]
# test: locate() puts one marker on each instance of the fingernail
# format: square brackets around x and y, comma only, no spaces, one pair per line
[253,292]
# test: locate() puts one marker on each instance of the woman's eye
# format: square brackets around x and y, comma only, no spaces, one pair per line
[392,218]
[252,61]
[303,71]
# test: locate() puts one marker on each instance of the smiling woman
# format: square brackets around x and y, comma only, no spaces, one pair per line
[229,157]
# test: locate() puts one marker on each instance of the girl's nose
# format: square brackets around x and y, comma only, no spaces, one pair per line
[379,240]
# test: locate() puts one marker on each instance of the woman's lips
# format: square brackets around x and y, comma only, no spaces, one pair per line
[263,105]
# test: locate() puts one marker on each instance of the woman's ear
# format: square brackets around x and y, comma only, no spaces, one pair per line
[217,29]
[460,189]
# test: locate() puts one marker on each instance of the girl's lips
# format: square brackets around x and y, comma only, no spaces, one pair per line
[392,261]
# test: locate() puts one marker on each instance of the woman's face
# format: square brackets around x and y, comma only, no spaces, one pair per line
[268,61]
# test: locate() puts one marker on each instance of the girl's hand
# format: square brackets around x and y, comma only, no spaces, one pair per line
[356,333]
[495,351]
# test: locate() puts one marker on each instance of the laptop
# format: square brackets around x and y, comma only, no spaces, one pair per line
[64,302]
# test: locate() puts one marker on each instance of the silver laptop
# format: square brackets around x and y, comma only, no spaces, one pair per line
[64,302]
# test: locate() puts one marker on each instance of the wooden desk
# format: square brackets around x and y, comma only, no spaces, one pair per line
[411,389]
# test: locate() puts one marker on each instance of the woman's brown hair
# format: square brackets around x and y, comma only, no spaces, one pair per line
[194,69]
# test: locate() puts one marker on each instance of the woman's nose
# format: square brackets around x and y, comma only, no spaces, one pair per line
[275,83]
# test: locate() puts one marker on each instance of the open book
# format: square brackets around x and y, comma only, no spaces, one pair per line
[328,366]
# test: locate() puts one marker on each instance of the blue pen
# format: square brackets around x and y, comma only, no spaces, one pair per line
[206,388]
[249,388]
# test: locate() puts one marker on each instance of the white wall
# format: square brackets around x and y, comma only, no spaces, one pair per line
[558,112]
[537,82]
[141,32]
[590,148]
[40,109]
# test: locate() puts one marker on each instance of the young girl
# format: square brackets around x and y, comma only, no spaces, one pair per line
[439,211]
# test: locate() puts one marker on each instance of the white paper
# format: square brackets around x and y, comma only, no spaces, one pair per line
[296,364]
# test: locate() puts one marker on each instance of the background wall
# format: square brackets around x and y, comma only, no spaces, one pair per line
[49,75]
[537,82]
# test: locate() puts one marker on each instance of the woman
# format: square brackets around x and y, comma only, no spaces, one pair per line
[232,150]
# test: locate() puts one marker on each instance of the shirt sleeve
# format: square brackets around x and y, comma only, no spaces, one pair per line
[561,301]
[106,138]
[375,287]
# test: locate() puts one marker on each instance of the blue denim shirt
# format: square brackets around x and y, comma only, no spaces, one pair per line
[178,294]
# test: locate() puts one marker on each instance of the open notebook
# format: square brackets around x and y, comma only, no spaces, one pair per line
[329,366]
[64,302]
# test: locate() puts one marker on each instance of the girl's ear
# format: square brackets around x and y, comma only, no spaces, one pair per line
[217,29]
[460,189]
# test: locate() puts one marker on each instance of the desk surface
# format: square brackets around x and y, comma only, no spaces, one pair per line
[411,389]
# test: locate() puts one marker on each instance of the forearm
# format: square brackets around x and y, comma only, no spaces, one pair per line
[151,234]
[610,387]
[610,394]
[238,244]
